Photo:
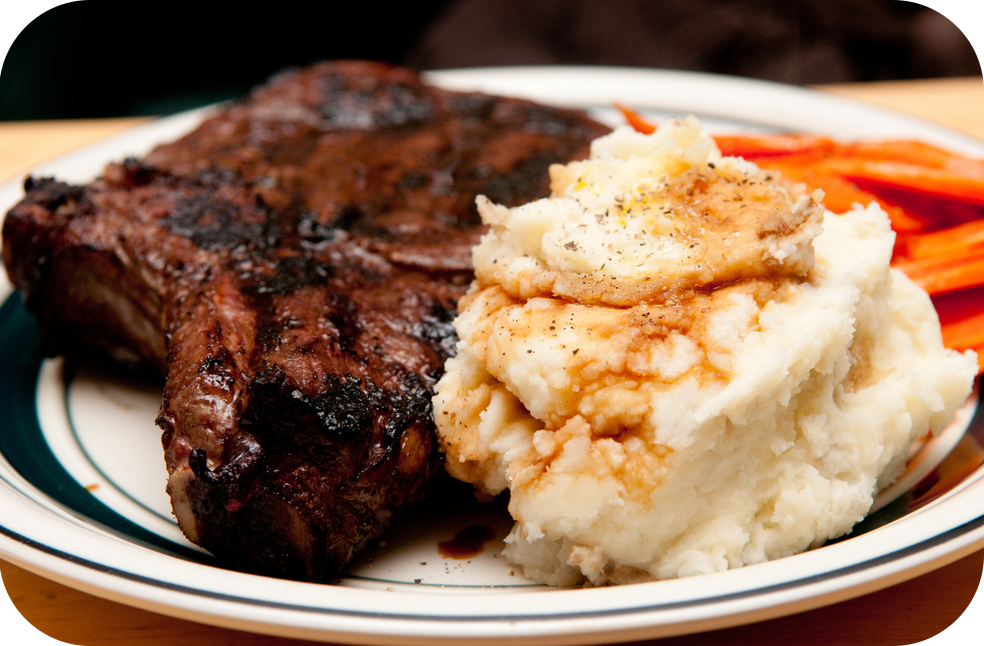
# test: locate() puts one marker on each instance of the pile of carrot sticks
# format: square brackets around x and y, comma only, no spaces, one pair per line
[934,198]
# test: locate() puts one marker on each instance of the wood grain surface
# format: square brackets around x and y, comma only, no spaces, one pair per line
[903,614]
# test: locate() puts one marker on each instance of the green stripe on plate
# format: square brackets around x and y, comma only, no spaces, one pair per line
[23,445]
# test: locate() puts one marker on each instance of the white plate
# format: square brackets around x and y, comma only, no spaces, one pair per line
[82,477]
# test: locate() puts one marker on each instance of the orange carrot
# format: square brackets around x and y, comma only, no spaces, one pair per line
[933,211]
[635,120]
[906,151]
[962,320]
[946,242]
[967,334]
[941,274]
[763,145]
[965,187]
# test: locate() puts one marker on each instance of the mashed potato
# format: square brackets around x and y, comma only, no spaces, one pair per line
[678,364]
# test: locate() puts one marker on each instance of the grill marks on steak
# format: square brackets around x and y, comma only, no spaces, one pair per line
[292,267]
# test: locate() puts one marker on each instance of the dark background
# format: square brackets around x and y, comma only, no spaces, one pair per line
[102,58]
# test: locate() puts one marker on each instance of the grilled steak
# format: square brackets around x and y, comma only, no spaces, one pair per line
[292,268]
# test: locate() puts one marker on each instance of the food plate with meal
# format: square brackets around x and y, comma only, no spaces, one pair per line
[88,501]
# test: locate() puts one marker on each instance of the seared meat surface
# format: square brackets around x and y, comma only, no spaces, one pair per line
[292,267]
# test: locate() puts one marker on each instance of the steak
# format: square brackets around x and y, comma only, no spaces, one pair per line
[292,268]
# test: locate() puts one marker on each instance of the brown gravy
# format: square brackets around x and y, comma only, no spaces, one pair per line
[467,543]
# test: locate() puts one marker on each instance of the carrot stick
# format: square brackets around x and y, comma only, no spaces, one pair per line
[933,211]
[962,321]
[953,240]
[636,120]
[905,151]
[940,274]
[967,334]
[942,183]
[760,145]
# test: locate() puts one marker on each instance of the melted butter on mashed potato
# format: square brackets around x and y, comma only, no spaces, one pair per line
[678,364]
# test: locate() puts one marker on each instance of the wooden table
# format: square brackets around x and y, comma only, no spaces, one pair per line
[906,613]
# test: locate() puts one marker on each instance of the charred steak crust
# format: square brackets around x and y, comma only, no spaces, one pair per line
[292,267]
